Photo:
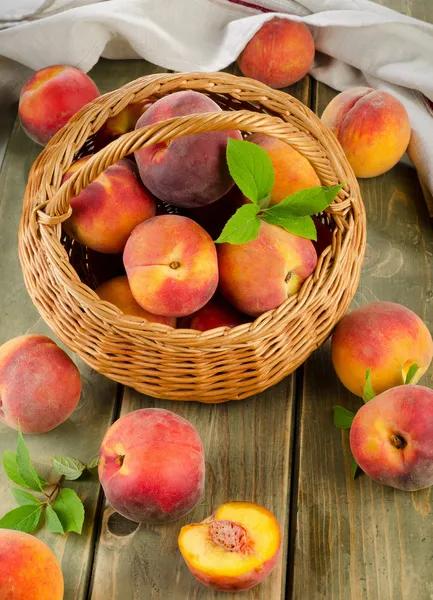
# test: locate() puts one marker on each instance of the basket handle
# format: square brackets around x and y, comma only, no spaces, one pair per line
[58,209]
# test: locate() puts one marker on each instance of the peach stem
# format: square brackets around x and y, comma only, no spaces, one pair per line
[398,441]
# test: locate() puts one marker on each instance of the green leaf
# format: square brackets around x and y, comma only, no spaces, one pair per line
[53,521]
[25,466]
[355,467]
[343,418]
[310,201]
[302,226]
[69,467]
[368,393]
[93,463]
[22,497]
[413,370]
[70,510]
[242,227]
[251,168]
[9,460]
[24,518]
[264,203]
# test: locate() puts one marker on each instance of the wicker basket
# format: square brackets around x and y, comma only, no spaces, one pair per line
[217,365]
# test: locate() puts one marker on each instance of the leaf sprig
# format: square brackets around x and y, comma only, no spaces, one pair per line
[251,168]
[343,418]
[64,511]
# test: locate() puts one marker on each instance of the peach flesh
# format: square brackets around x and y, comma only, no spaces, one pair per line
[233,550]
[392,437]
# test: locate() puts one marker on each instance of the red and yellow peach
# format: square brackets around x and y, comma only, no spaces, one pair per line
[235,549]
[279,54]
[172,266]
[216,313]
[261,274]
[40,385]
[391,437]
[293,172]
[386,338]
[372,127]
[151,466]
[51,97]
[28,568]
[189,171]
[106,211]
[118,292]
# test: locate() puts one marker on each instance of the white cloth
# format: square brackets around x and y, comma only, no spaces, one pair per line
[358,43]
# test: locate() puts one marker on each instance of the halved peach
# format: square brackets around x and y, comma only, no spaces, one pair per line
[234,549]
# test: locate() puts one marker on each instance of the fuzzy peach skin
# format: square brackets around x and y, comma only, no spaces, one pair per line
[261,274]
[233,550]
[392,437]
[172,266]
[28,568]
[216,313]
[107,210]
[51,97]
[384,337]
[118,292]
[151,466]
[279,54]
[191,170]
[40,386]
[372,127]
[293,172]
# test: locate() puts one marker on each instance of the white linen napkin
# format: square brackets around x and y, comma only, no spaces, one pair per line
[358,43]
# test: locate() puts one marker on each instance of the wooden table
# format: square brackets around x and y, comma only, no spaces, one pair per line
[343,539]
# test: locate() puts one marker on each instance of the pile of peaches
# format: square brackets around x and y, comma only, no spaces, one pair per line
[149,223]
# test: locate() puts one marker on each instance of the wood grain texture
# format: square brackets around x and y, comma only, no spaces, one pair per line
[248,446]
[359,540]
[81,435]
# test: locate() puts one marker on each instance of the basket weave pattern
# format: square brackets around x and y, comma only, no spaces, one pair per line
[216,365]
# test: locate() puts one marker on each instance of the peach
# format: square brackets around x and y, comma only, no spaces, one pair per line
[279,54]
[261,274]
[50,98]
[39,384]
[191,170]
[233,550]
[392,437]
[171,264]
[118,292]
[123,122]
[107,210]
[293,172]
[151,466]
[216,313]
[28,568]
[372,127]
[382,336]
